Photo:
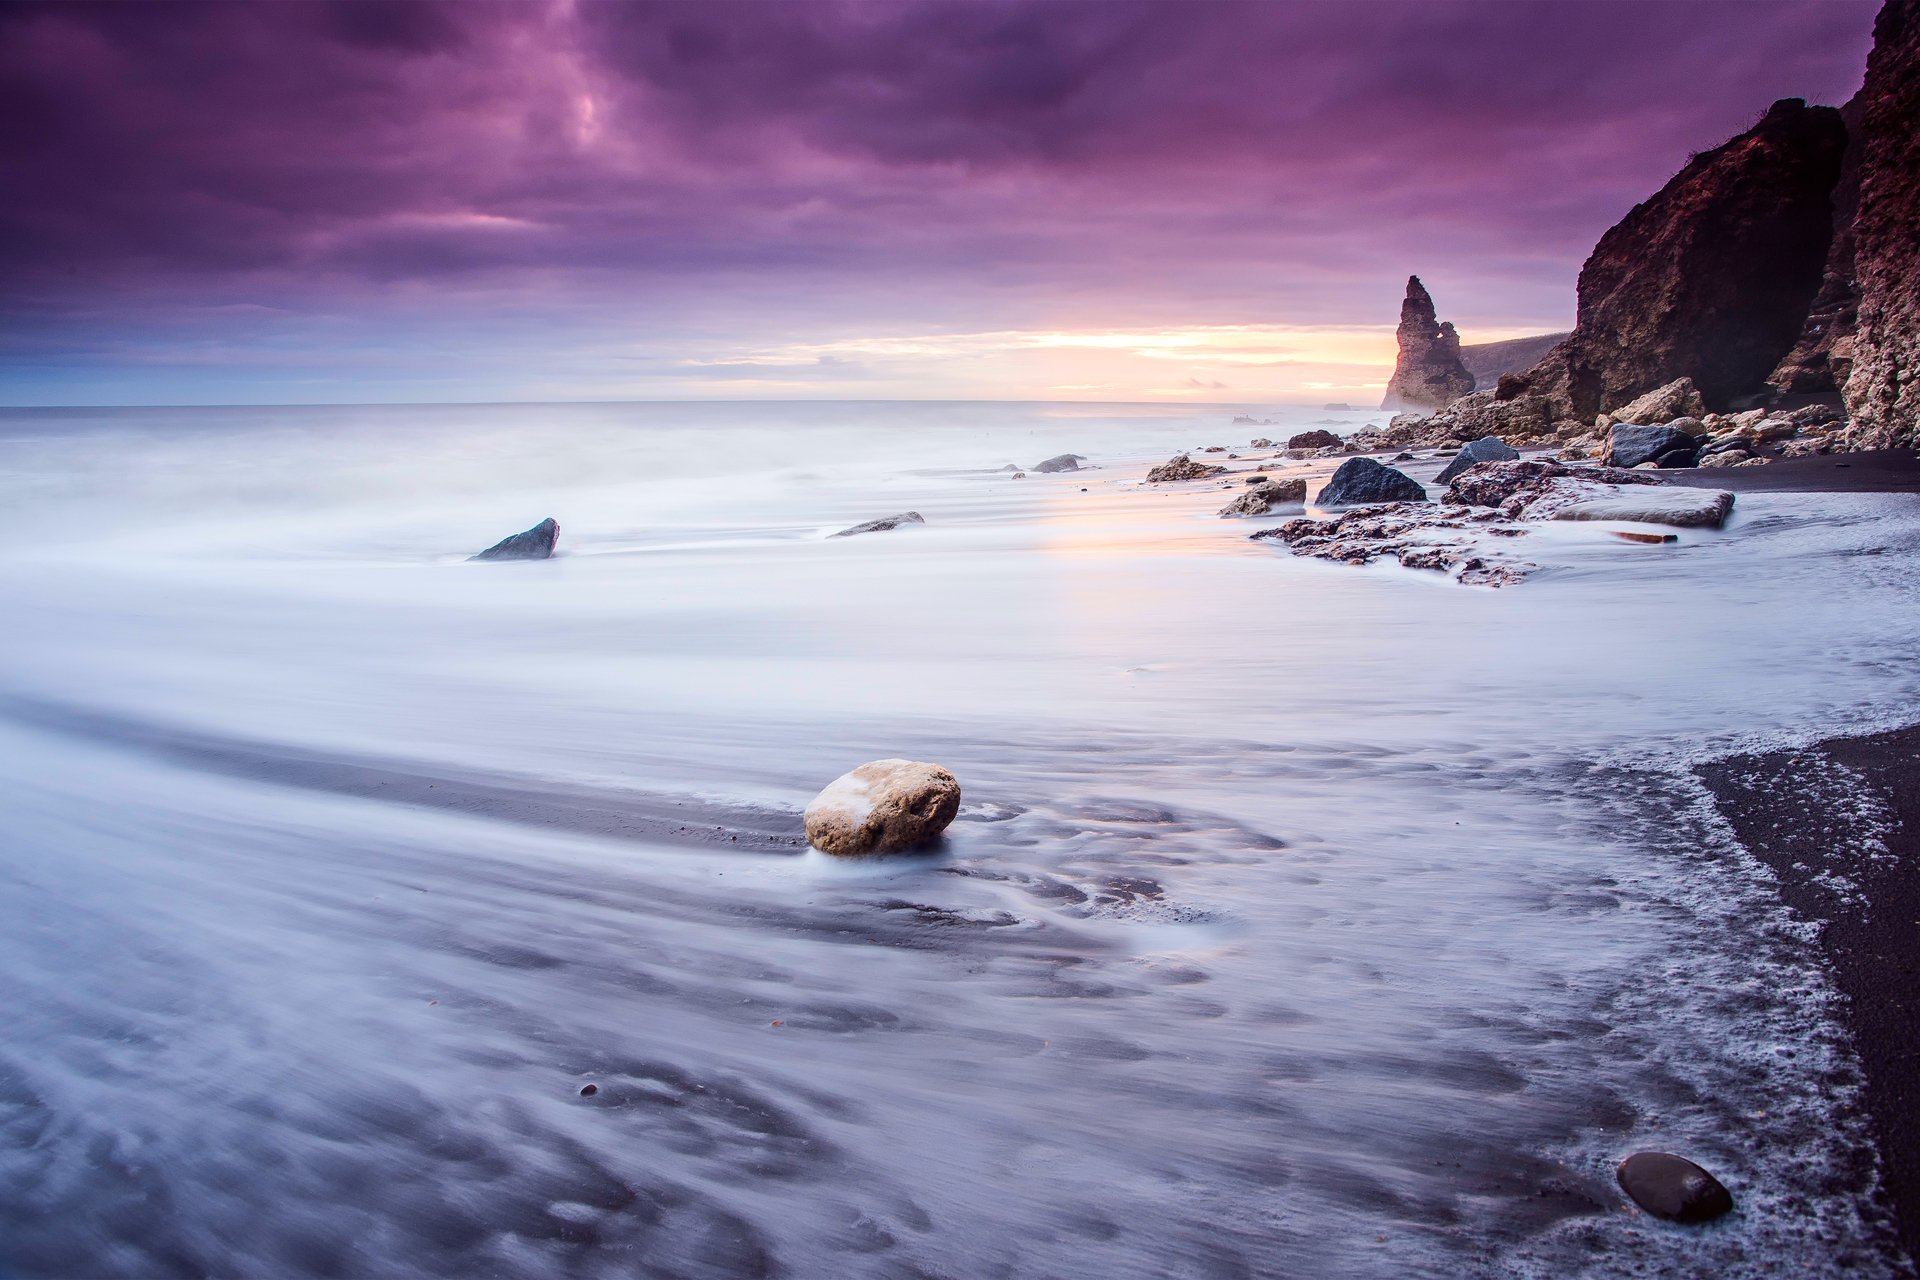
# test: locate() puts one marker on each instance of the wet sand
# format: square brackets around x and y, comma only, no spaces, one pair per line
[1880,471]
[1839,825]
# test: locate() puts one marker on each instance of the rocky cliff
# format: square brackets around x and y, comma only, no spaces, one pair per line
[1486,361]
[1428,372]
[1712,278]
[1823,356]
[1883,390]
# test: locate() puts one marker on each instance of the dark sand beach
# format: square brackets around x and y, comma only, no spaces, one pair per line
[1838,823]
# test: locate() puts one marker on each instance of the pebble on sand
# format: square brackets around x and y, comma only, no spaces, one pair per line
[1673,1187]
[885,806]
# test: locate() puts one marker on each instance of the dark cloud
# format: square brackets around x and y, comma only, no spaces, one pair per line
[1184,154]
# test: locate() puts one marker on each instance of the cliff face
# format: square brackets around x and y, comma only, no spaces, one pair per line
[1486,361]
[1712,278]
[1883,390]
[1428,372]
[1822,358]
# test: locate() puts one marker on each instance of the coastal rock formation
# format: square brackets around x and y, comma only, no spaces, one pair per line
[1428,373]
[1883,390]
[1712,277]
[1823,357]
[1316,439]
[882,525]
[1629,445]
[882,807]
[1181,467]
[1418,535]
[1060,462]
[1362,480]
[1262,498]
[1485,449]
[533,544]
[1673,1187]
[1677,399]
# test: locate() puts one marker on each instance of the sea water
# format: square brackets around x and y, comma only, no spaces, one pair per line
[1300,920]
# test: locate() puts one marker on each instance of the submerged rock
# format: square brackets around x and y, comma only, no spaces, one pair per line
[1362,480]
[1263,497]
[1060,462]
[1673,1187]
[886,523]
[1181,467]
[1670,505]
[1629,445]
[534,544]
[885,806]
[1485,449]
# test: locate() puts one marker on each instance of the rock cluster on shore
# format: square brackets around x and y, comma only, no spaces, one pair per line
[1780,263]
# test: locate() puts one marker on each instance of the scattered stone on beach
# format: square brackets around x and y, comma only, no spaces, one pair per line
[885,806]
[1673,1187]
[1485,449]
[1181,467]
[1060,462]
[1630,444]
[1263,497]
[1262,442]
[1676,399]
[588,1090]
[533,544]
[1362,480]
[1634,535]
[887,523]
[1726,458]
[1315,439]
[1683,508]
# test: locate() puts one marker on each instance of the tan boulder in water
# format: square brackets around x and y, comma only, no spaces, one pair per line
[882,807]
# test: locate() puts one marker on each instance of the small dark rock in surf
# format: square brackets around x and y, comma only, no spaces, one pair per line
[1060,462]
[535,544]
[588,1090]
[1672,1187]
[882,526]
[1362,480]
[1313,440]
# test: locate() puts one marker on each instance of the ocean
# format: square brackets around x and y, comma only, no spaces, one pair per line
[1300,919]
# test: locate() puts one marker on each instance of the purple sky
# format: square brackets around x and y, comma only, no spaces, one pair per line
[269,202]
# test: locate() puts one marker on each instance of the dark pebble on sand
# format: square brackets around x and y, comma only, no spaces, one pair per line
[1672,1187]
[588,1090]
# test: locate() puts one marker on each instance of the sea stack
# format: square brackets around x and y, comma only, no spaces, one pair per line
[1883,390]
[1428,374]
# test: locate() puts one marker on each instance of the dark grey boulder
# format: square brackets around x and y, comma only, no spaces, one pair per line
[1673,1187]
[1362,480]
[881,526]
[1485,449]
[1060,462]
[1629,445]
[535,544]
[1313,440]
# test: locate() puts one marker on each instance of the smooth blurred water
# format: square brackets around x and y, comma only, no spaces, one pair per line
[1301,920]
